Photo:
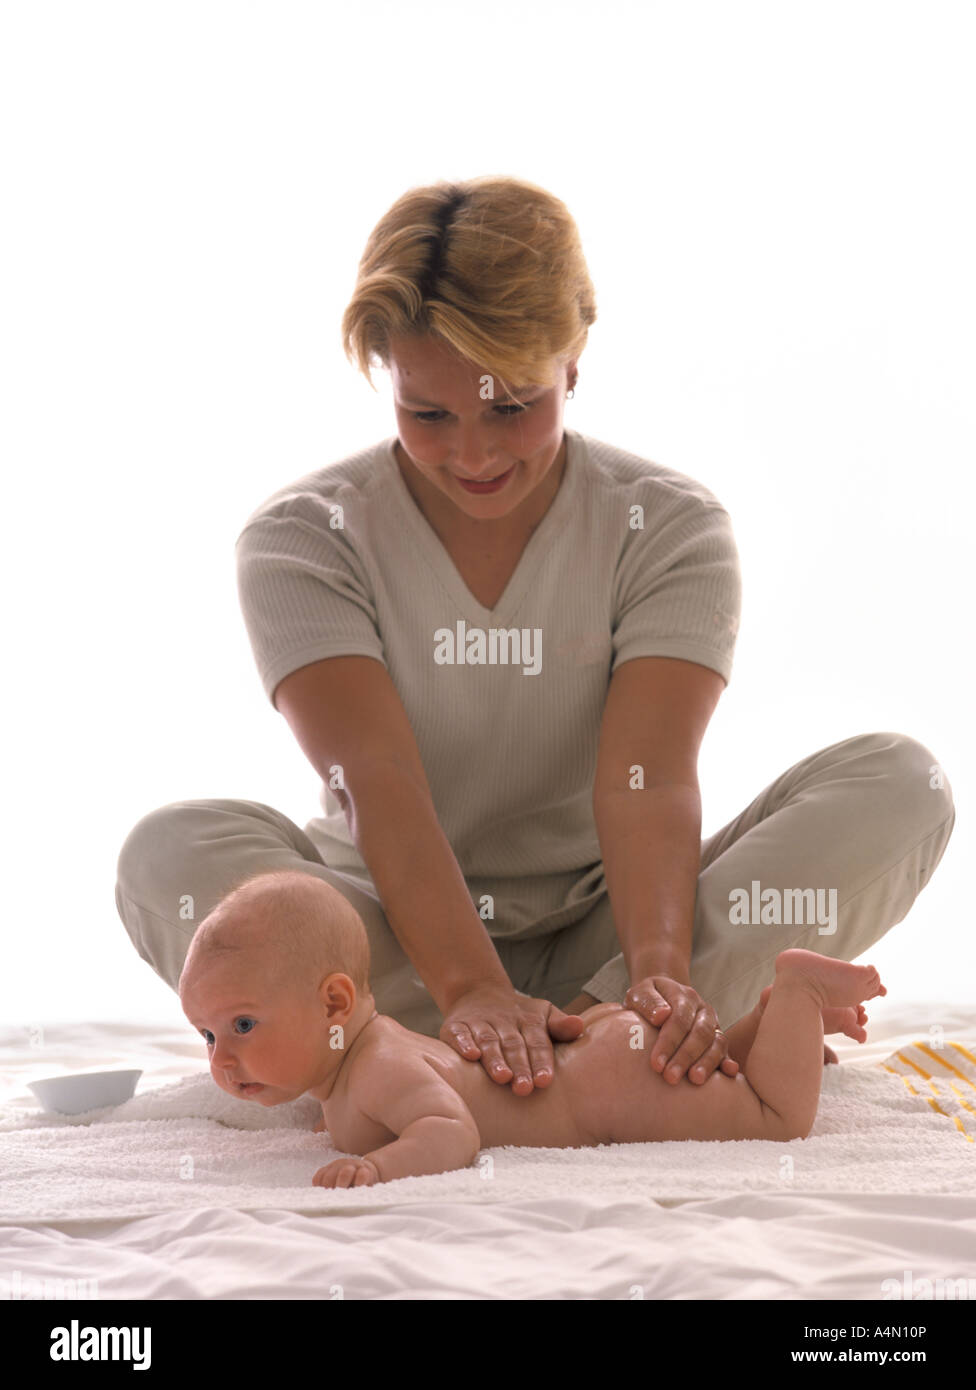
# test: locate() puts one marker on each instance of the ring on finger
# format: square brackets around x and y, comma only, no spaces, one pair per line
[699,1068]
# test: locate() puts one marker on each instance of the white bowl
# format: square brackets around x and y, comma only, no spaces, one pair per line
[89,1090]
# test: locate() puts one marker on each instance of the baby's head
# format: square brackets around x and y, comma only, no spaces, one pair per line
[277,981]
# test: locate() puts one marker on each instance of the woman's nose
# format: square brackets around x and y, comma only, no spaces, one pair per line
[472,451]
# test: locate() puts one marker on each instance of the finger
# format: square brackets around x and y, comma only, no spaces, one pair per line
[645,1000]
[486,1040]
[703,1049]
[539,1048]
[674,1031]
[363,1177]
[347,1175]
[697,1042]
[516,1058]
[563,1027]
[730,1066]
[712,1057]
[458,1036]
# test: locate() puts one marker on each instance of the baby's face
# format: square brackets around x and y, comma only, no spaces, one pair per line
[265,1044]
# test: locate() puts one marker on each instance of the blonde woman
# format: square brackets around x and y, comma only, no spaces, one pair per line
[499,642]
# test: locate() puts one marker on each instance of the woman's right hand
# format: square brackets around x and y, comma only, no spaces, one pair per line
[510,1033]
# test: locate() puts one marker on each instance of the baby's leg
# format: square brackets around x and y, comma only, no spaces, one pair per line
[742,1035]
[785,1063]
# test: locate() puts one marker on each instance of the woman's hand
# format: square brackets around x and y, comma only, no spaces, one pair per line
[510,1033]
[689,1035]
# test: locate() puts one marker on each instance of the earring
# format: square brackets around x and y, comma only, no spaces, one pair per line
[571,393]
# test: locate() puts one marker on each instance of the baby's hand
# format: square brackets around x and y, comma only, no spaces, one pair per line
[347,1172]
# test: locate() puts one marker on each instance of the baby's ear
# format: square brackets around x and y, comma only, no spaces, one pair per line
[338,993]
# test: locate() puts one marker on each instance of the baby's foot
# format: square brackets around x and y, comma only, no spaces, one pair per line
[836,983]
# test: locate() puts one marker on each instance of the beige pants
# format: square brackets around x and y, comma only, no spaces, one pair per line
[864,821]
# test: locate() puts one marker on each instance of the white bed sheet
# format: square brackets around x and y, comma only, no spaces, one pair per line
[781,1246]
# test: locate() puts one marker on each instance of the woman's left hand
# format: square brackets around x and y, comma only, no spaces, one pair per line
[689,1035]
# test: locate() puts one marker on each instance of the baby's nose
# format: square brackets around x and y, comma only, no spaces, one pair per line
[222,1060]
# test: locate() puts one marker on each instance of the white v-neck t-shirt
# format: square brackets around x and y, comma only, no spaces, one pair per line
[631,559]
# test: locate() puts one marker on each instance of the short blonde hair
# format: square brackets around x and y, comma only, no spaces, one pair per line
[491,266]
[297,928]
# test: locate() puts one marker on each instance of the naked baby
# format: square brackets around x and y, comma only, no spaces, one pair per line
[277,981]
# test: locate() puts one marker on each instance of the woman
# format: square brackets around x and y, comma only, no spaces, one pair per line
[499,643]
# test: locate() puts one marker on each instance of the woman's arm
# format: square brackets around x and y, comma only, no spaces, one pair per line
[420,884]
[656,713]
[647,807]
[651,846]
[345,713]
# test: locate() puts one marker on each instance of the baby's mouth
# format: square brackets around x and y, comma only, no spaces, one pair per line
[247,1088]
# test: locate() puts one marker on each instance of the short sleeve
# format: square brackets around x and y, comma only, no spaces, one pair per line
[679,589]
[304,596]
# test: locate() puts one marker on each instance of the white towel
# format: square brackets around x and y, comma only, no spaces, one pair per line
[190,1145]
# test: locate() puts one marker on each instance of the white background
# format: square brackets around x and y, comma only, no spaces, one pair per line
[776,203]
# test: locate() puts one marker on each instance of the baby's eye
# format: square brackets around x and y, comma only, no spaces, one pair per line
[249,1021]
[207,1037]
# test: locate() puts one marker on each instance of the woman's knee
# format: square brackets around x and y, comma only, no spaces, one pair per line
[160,839]
[917,779]
[228,834]
[179,860]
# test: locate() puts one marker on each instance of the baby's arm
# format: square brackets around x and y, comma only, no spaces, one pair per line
[436,1130]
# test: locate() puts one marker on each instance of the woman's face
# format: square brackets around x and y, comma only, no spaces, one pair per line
[451,430]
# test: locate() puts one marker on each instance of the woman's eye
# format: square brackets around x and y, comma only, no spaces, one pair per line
[249,1021]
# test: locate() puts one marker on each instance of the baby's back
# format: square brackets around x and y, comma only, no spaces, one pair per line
[603,1091]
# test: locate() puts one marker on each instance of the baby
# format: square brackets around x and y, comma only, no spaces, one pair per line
[277,981]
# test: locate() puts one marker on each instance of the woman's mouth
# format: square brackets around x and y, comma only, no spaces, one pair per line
[486,485]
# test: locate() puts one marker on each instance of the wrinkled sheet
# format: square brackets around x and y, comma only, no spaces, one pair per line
[787,1245]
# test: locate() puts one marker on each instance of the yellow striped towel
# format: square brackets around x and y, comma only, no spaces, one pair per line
[944,1074]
